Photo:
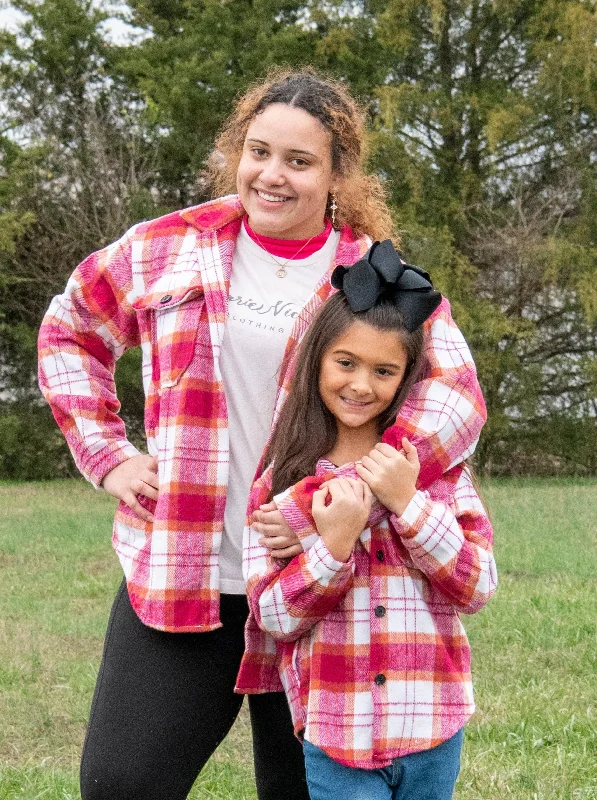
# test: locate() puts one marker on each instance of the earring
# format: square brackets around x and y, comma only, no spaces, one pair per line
[333,207]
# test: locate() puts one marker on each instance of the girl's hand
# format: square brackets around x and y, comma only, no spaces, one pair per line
[342,521]
[277,535]
[391,474]
[136,475]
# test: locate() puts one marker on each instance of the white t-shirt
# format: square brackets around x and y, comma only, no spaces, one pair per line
[262,309]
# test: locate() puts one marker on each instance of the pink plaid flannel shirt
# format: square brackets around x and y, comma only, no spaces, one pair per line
[442,416]
[164,286]
[371,652]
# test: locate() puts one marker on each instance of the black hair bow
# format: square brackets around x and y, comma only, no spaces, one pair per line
[381,275]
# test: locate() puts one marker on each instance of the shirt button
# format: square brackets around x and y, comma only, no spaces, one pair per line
[166,298]
[380,611]
[380,679]
[380,555]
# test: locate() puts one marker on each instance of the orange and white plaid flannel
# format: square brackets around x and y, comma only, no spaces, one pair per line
[371,652]
[164,286]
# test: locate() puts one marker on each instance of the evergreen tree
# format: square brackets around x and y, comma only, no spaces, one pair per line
[483,120]
[74,174]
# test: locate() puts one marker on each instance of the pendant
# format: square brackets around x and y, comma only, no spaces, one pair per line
[281,273]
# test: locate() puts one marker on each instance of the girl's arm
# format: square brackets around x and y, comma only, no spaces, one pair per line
[446,531]
[296,503]
[82,334]
[451,541]
[287,599]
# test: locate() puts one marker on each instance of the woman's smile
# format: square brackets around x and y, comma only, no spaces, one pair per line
[272,198]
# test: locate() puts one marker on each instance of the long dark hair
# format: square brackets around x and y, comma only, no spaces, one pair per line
[306,429]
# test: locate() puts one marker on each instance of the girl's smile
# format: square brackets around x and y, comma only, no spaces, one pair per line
[360,373]
[355,403]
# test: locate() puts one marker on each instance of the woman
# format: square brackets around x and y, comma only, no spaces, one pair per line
[218,297]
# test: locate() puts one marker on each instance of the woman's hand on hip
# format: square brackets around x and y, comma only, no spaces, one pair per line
[391,474]
[276,534]
[135,476]
[341,521]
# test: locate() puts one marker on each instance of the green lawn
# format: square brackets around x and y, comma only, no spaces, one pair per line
[534,646]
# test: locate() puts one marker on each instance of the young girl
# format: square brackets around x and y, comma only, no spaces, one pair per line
[371,652]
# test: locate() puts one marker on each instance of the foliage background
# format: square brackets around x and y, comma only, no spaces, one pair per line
[483,124]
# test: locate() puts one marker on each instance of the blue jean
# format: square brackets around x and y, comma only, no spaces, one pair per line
[428,775]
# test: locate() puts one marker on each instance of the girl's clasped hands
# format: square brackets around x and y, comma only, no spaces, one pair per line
[391,474]
[341,506]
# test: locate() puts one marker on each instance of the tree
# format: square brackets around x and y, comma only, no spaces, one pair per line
[485,128]
[76,172]
[483,119]
[197,57]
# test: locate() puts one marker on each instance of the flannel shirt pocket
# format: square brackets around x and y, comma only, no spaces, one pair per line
[174,335]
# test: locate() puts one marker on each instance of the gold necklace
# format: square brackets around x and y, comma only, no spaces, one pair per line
[281,272]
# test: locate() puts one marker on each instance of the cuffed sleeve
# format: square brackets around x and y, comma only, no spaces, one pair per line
[85,330]
[297,516]
[451,544]
[288,598]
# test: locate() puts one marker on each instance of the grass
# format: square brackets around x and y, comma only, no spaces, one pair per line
[534,646]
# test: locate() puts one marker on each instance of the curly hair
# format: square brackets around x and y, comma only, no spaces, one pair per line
[360,196]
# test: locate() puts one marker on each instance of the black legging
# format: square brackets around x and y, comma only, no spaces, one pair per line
[163,703]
